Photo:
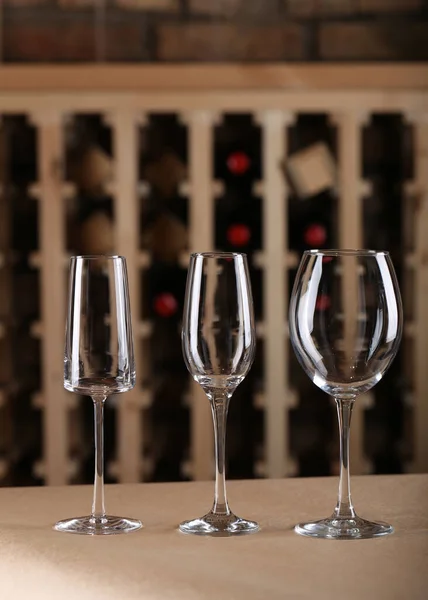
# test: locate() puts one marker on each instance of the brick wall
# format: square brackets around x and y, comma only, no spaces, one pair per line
[213,30]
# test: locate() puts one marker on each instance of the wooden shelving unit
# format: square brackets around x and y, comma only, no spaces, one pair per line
[125,98]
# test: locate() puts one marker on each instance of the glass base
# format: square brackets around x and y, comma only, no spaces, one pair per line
[107,525]
[343,529]
[218,524]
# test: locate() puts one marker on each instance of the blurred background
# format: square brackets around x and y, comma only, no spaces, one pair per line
[204,30]
[190,31]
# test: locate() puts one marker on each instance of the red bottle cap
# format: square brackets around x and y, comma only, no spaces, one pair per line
[315,235]
[323,302]
[238,163]
[165,305]
[238,235]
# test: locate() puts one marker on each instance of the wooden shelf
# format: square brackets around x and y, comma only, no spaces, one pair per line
[38,400]
[144,329]
[217,188]
[37,329]
[291,260]
[273,95]
[35,260]
[261,329]
[261,469]
[144,259]
[409,329]
[290,399]
[146,469]
[73,466]
[68,190]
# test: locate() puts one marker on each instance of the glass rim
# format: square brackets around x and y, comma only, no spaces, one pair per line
[97,257]
[217,254]
[346,252]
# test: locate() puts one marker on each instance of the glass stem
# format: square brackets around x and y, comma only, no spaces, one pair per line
[219,407]
[98,508]
[344,508]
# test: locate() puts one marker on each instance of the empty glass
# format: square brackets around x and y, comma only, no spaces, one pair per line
[218,345]
[99,361]
[345,327]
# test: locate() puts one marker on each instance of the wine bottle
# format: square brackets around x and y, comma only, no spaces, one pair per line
[92,170]
[22,155]
[25,224]
[165,173]
[311,427]
[169,424]
[165,305]
[311,223]
[90,167]
[91,230]
[163,156]
[24,278]
[243,428]
[238,163]
[28,435]
[256,278]
[387,162]
[237,151]
[166,237]
[163,288]
[89,151]
[239,222]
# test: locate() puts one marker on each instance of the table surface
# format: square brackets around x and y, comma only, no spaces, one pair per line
[158,562]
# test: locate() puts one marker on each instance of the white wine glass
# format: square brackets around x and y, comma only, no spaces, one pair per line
[98,362]
[345,345]
[218,338]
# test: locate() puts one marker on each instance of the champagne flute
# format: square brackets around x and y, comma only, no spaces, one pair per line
[345,327]
[218,338]
[98,361]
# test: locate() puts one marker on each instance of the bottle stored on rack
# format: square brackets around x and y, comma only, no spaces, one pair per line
[238,163]
[91,229]
[89,151]
[28,435]
[388,158]
[163,156]
[164,290]
[384,425]
[311,223]
[166,237]
[21,151]
[239,222]
[244,428]
[169,425]
[92,170]
[312,427]
[237,151]
[386,166]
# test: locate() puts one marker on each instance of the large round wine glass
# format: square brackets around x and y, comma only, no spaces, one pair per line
[345,327]
[98,361]
[218,338]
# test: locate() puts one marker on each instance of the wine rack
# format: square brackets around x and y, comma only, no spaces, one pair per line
[154,163]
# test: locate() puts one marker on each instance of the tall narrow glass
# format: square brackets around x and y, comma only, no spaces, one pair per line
[218,338]
[98,361]
[345,326]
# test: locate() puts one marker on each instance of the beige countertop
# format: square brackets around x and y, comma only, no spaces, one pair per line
[158,562]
